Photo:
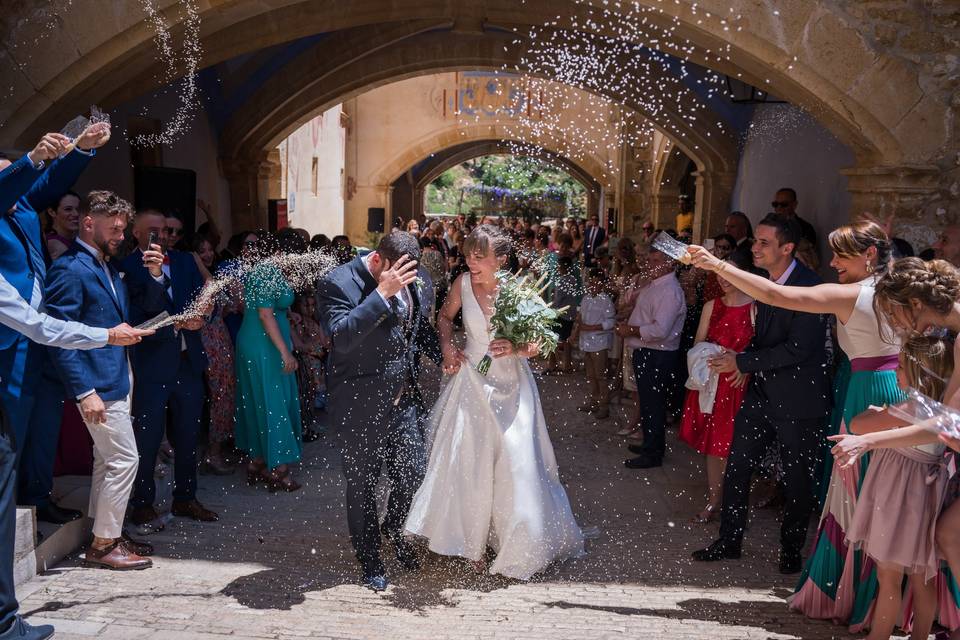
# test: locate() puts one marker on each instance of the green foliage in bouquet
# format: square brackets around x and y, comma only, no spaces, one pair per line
[521,316]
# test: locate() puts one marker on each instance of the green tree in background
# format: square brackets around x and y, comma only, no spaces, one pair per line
[507,185]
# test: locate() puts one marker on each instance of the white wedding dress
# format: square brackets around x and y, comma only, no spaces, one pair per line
[492,477]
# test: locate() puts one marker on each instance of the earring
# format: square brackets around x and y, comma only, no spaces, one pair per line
[869,269]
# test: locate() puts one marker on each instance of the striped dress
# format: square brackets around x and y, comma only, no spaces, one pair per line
[839,582]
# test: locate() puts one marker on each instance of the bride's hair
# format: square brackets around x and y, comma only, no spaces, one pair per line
[485,238]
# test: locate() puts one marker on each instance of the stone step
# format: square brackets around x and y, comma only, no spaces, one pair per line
[59,541]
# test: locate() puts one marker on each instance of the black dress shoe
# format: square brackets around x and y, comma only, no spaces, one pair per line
[643,462]
[406,556]
[55,514]
[790,563]
[719,550]
[375,581]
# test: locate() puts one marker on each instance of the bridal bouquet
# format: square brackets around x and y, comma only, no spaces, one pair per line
[521,316]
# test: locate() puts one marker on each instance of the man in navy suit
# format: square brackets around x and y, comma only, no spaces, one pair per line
[23,265]
[378,332]
[169,368]
[84,286]
[19,316]
[787,401]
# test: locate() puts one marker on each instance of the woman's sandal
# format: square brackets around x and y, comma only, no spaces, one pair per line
[282,482]
[709,514]
[256,473]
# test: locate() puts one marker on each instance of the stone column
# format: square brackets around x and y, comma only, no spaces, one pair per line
[664,214]
[249,182]
[714,190]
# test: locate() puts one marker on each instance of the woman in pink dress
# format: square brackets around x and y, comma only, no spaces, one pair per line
[726,321]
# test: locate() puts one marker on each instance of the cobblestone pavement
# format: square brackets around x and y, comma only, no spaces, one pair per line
[280,566]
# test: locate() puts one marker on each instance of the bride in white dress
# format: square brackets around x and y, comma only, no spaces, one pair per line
[492,477]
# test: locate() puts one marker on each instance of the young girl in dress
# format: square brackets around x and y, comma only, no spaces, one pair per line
[915,296]
[726,321]
[594,334]
[896,513]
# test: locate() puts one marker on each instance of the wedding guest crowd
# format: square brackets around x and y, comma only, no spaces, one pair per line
[733,349]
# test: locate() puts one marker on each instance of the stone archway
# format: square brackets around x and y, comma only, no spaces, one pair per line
[878,93]
[427,170]
[374,190]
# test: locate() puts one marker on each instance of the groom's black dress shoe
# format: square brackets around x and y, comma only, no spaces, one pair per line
[375,581]
[719,550]
[790,562]
[406,555]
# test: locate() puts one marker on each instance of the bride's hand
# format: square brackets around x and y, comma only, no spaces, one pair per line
[452,361]
[500,348]
[529,350]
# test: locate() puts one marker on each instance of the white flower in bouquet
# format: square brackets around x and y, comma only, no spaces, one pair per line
[521,316]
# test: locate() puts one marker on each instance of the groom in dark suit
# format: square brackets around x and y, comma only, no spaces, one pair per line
[787,401]
[371,310]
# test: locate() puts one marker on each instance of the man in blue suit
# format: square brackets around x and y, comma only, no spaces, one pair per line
[84,286]
[169,369]
[23,265]
[17,315]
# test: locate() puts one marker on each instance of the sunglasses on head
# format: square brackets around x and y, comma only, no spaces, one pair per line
[779,205]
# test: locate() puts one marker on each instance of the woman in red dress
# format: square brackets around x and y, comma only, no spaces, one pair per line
[726,321]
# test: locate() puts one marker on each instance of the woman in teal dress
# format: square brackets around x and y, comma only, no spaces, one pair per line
[268,408]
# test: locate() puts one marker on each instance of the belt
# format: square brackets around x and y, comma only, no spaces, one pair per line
[875,363]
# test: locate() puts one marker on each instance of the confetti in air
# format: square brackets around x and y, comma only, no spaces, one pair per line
[184,62]
[300,271]
[639,74]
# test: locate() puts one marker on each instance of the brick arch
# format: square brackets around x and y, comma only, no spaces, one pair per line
[809,54]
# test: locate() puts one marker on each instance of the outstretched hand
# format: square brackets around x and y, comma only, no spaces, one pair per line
[848,449]
[402,273]
[702,258]
[123,335]
[51,146]
[94,136]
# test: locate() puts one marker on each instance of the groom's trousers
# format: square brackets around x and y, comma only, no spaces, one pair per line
[402,448]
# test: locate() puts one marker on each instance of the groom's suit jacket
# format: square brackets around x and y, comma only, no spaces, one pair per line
[375,352]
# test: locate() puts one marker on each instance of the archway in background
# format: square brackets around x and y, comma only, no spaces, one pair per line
[408,195]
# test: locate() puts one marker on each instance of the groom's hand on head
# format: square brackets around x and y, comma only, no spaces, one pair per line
[400,274]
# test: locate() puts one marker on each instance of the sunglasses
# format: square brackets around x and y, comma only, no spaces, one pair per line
[780,205]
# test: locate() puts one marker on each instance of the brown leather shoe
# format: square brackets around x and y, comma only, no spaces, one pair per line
[116,557]
[145,515]
[138,547]
[193,509]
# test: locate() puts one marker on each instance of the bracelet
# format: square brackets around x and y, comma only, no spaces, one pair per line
[721,267]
